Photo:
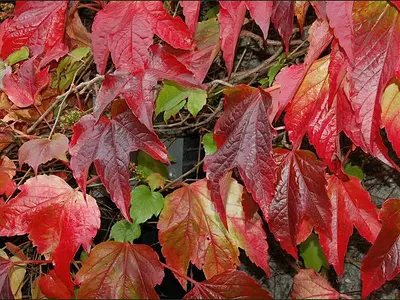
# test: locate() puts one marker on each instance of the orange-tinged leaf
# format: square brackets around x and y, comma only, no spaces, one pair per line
[7,172]
[351,205]
[382,262]
[308,284]
[57,218]
[40,151]
[116,270]
[391,114]
[5,138]
[300,199]
[190,230]
[300,11]
[231,284]
[376,32]
[244,125]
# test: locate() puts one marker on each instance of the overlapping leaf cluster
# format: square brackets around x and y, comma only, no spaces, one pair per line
[352,91]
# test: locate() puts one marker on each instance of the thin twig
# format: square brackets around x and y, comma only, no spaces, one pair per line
[182,176]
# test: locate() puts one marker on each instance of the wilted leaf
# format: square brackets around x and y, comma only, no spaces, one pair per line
[231,284]
[7,172]
[108,143]
[40,151]
[116,270]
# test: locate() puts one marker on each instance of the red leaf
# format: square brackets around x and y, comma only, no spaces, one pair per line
[108,143]
[290,78]
[300,199]
[261,11]
[7,172]
[231,17]
[351,205]
[244,125]
[191,231]
[307,284]
[341,21]
[116,270]
[282,18]
[57,218]
[208,45]
[390,114]
[373,66]
[5,284]
[138,88]
[53,287]
[36,152]
[116,29]
[382,262]
[228,285]
[23,88]
[191,11]
[38,25]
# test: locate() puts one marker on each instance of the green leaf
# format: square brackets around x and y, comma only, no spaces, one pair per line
[17,56]
[354,171]
[172,99]
[272,72]
[145,204]
[212,12]
[312,254]
[208,143]
[123,231]
[68,67]
[147,165]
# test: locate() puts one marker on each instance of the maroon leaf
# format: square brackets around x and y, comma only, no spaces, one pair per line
[126,30]
[244,125]
[5,285]
[108,143]
[36,152]
[382,262]
[116,270]
[282,17]
[137,88]
[38,25]
[57,218]
[228,285]
[24,87]
[300,199]
[351,205]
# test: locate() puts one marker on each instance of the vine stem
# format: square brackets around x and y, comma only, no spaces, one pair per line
[179,273]
[29,261]
[182,176]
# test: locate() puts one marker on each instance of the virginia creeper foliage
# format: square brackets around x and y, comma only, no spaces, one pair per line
[79,100]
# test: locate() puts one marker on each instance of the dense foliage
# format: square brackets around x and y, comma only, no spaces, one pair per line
[75,103]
